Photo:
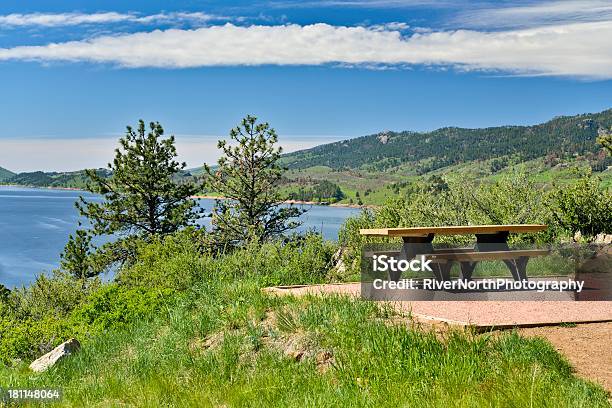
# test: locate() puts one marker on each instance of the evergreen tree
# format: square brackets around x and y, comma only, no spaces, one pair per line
[77,256]
[4,294]
[247,177]
[141,196]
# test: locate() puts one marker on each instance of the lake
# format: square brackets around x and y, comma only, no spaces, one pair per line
[35,225]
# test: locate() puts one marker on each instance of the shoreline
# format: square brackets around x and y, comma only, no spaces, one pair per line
[208,197]
[344,205]
[43,187]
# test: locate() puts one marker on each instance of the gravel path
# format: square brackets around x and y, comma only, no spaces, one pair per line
[482,314]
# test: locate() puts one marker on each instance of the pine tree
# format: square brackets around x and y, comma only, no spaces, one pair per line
[77,256]
[247,177]
[4,294]
[142,195]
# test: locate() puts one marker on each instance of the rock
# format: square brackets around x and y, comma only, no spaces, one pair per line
[55,355]
[383,137]
[603,239]
[338,262]
[577,236]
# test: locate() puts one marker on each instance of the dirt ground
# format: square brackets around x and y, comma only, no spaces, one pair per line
[588,347]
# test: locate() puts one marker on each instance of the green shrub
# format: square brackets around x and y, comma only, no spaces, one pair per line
[54,295]
[35,319]
[109,306]
[30,338]
[174,261]
[583,207]
[305,259]
[114,306]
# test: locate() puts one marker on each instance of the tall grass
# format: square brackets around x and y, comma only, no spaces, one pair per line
[215,347]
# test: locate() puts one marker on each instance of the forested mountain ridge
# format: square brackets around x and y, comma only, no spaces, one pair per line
[73,179]
[5,174]
[561,137]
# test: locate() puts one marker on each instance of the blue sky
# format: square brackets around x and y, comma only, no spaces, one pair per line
[72,75]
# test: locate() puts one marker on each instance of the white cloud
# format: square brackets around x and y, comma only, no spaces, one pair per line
[72,19]
[537,14]
[61,154]
[391,26]
[61,19]
[362,3]
[180,16]
[580,49]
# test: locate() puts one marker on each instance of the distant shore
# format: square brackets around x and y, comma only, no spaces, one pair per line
[206,196]
[43,188]
[214,197]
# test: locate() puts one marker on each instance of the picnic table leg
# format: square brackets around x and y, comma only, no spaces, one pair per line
[518,267]
[420,245]
[499,242]
[467,268]
[442,270]
[492,242]
[521,267]
[511,264]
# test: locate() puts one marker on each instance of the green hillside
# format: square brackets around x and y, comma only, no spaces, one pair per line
[72,179]
[5,174]
[75,179]
[370,168]
[560,138]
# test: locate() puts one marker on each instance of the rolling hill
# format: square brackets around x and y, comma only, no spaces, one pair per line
[72,179]
[75,179]
[369,168]
[5,174]
[422,152]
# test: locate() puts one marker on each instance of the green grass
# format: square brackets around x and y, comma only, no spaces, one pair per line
[166,361]
[378,182]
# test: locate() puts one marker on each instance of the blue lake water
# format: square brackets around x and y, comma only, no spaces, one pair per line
[35,225]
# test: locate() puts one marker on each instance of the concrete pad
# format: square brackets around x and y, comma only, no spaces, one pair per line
[482,315]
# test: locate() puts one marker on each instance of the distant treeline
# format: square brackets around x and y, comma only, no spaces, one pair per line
[322,191]
[73,179]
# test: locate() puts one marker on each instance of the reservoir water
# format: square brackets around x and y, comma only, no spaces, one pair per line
[35,225]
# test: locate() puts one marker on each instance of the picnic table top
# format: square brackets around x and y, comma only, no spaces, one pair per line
[451,230]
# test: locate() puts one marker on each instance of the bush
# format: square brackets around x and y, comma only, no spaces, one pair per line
[305,259]
[583,207]
[34,320]
[114,306]
[109,306]
[174,261]
[55,295]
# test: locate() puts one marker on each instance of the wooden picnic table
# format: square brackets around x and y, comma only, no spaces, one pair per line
[491,244]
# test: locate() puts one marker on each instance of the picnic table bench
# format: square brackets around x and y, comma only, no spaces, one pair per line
[491,244]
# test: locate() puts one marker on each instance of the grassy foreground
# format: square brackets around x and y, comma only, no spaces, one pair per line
[224,343]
